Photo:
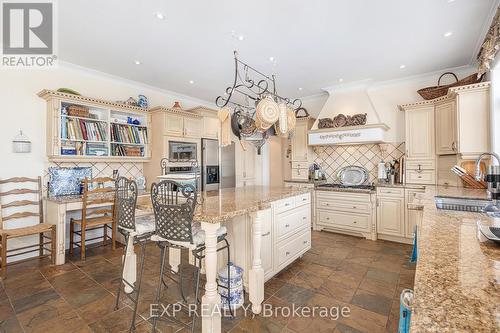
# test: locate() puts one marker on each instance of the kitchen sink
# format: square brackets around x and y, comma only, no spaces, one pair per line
[461,204]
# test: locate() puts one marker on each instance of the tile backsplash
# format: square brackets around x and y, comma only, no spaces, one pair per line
[101,169]
[332,158]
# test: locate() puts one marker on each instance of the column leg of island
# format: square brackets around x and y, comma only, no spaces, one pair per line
[130,265]
[256,273]
[174,259]
[211,302]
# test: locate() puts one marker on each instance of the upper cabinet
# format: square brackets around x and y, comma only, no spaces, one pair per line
[419,123]
[209,126]
[446,124]
[473,119]
[192,127]
[301,152]
[174,124]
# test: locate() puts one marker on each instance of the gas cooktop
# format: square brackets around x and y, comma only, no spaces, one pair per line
[337,185]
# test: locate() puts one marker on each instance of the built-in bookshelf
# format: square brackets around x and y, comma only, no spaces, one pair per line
[88,129]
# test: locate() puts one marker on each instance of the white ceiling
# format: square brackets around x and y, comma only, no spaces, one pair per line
[314,42]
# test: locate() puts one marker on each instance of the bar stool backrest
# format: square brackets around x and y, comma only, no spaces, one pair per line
[126,200]
[174,205]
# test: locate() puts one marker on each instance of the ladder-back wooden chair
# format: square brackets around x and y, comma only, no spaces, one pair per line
[97,212]
[13,199]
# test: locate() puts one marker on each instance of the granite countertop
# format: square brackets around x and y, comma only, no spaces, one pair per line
[65,199]
[457,280]
[305,181]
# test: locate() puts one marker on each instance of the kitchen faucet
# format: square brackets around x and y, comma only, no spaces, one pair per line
[479,175]
[493,180]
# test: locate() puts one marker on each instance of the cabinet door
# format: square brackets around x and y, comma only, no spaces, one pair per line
[174,125]
[446,128]
[210,128]
[420,133]
[192,127]
[390,216]
[410,214]
[299,142]
[473,114]
[249,163]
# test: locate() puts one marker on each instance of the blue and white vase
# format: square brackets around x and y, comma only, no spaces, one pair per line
[142,101]
[236,294]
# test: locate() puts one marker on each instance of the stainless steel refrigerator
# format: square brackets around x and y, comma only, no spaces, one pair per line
[217,172]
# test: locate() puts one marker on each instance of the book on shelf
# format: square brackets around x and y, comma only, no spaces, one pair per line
[129,134]
[79,129]
[124,150]
[97,149]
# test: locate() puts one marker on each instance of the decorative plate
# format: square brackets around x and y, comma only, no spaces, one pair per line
[352,175]
[67,181]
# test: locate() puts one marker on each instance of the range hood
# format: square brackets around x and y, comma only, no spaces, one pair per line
[352,135]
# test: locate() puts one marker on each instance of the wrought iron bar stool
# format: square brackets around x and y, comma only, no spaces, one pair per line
[174,206]
[139,229]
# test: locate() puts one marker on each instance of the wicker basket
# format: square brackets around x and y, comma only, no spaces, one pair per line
[133,151]
[78,111]
[439,90]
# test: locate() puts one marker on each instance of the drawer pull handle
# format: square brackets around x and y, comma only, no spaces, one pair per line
[304,217]
[304,199]
[354,207]
[305,242]
[287,253]
[354,222]
[266,234]
[287,225]
[287,204]
[327,218]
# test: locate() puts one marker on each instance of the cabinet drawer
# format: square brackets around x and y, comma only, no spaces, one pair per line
[355,207]
[421,177]
[302,199]
[284,205]
[420,164]
[289,222]
[391,191]
[342,196]
[300,173]
[288,250]
[343,220]
[300,165]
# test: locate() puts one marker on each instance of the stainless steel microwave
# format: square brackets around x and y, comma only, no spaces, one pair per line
[182,151]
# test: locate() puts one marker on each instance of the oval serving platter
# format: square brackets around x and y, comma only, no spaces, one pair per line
[352,175]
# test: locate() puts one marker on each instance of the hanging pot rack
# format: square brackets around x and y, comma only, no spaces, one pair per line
[252,90]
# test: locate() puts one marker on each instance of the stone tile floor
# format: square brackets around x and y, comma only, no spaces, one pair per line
[339,271]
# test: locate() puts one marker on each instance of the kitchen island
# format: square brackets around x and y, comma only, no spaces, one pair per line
[457,281]
[259,219]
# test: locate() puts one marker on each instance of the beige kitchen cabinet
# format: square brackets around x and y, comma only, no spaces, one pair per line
[391,215]
[174,124]
[210,128]
[419,126]
[192,127]
[245,165]
[411,215]
[473,119]
[302,154]
[420,143]
[446,124]
[299,142]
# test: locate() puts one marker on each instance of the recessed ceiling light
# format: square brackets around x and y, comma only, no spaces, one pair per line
[241,37]
[137,62]
[341,80]
[191,82]
[402,66]
[300,88]
[448,34]
[159,16]
[271,59]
